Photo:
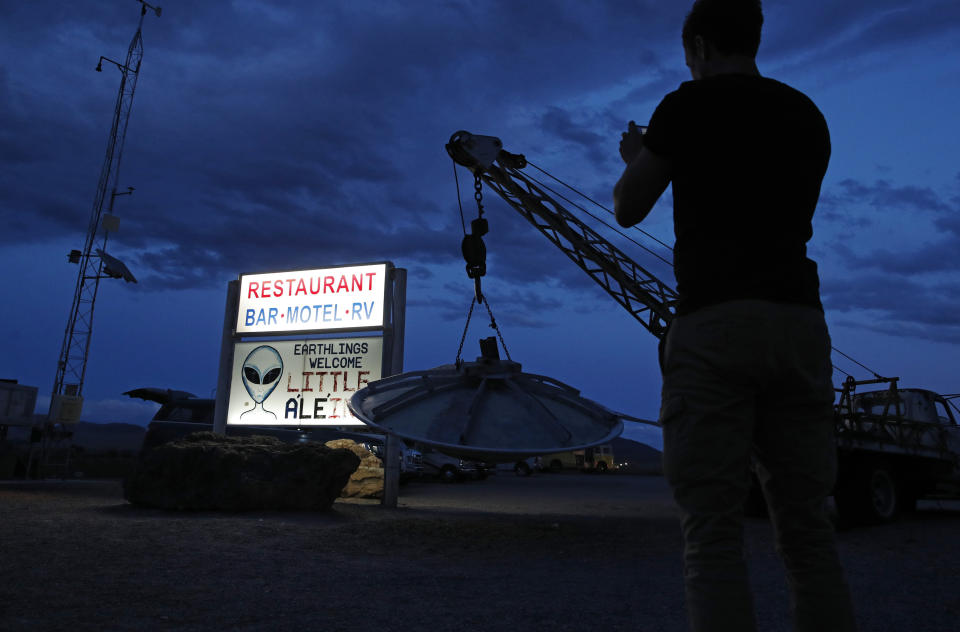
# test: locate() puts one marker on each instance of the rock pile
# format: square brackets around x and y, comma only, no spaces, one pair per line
[211,471]
[367,481]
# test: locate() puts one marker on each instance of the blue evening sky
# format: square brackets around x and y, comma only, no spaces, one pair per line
[280,135]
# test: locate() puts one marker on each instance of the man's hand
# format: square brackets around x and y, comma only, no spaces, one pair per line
[631,142]
[644,179]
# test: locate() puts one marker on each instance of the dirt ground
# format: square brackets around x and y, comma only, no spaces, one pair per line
[560,552]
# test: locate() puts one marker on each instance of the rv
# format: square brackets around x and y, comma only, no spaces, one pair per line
[596,459]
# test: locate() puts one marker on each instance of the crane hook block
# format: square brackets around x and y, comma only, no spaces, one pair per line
[480,227]
[475,254]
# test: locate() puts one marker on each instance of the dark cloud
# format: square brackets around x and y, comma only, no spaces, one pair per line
[259,122]
[245,243]
[815,32]
[946,333]
[884,195]
[891,24]
[902,307]
[940,256]
[420,272]
[512,307]
[276,135]
[558,122]
[901,204]
[950,224]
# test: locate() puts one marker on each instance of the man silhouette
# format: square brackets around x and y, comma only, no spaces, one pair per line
[746,362]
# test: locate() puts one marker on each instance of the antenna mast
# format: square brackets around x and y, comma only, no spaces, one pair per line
[95,264]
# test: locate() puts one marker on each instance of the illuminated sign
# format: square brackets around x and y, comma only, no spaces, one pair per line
[328,299]
[301,382]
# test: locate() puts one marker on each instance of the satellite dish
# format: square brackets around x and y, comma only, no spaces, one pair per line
[115,268]
[487,410]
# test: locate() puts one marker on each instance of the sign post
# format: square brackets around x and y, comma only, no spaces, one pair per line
[226,359]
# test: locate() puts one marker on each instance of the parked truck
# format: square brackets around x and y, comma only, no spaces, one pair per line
[895,446]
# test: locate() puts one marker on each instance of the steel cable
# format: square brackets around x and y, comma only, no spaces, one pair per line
[616,230]
[595,203]
[591,200]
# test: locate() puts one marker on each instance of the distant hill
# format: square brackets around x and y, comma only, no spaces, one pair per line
[121,436]
[116,436]
[640,457]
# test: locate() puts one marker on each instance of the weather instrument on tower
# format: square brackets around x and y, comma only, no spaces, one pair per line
[94,261]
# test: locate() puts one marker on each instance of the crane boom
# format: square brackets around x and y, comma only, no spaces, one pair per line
[880,434]
[648,299]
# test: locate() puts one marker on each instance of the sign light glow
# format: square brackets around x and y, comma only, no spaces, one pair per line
[343,298]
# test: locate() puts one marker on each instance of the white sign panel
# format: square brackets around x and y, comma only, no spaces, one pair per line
[348,297]
[301,382]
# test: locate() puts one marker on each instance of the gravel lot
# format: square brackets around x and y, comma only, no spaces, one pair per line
[549,552]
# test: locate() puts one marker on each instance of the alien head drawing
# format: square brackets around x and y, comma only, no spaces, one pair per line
[261,373]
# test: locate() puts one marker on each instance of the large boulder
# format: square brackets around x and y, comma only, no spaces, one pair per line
[367,480]
[211,471]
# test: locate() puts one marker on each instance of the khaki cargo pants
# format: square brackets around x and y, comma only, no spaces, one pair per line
[753,377]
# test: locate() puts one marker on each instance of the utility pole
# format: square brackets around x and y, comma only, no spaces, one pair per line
[66,400]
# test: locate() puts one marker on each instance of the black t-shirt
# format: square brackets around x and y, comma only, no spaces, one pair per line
[748,154]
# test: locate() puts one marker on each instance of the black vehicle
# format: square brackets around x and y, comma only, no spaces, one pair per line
[182,413]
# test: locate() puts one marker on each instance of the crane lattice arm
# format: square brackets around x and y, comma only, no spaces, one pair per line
[648,299]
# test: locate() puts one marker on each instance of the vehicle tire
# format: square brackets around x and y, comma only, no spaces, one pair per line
[884,494]
[871,495]
[556,465]
[448,474]
[601,467]
[522,469]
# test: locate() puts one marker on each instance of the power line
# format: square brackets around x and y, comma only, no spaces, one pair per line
[587,197]
[648,250]
[836,368]
[874,373]
[614,229]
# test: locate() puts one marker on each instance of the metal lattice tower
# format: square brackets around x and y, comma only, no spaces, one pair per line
[72,365]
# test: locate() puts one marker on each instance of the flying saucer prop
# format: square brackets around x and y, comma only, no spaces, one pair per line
[487,410]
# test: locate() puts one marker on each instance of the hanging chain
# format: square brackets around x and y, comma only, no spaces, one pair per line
[478,193]
[458,361]
[478,196]
[475,254]
[473,248]
[493,323]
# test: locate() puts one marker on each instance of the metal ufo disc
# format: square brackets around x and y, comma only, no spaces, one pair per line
[486,410]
